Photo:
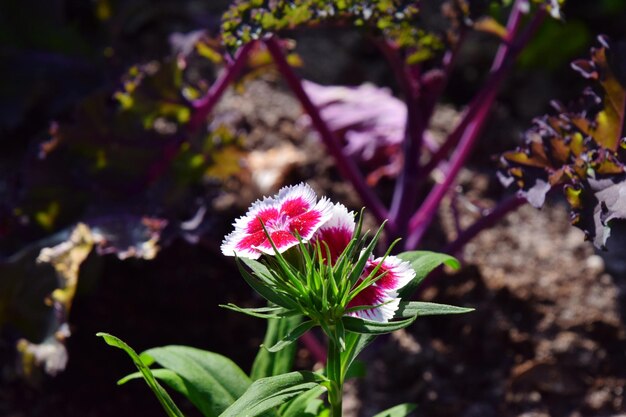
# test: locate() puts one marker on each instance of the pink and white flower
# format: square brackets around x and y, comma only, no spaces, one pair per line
[382,295]
[293,212]
[336,233]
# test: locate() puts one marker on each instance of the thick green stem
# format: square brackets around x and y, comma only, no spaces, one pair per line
[335,375]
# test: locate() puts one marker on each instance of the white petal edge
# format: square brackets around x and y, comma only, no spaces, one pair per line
[291,192]
[340,218]
[401,269]
[229,245]
[382,313]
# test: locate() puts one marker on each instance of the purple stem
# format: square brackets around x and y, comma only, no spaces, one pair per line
[345,164]
[421,97]
[485,222]
[473,121]
[405,195]
[422,219]
[203,106]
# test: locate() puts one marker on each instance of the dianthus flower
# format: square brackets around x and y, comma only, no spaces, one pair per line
[294,212]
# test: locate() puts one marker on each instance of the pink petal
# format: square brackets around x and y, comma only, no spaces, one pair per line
[282,239]
[306,224]
[384,308]
[295,207]
[294,210]
[382,294]
[397,273]
[237,243]
[295,199]
[263,217]
[337,232]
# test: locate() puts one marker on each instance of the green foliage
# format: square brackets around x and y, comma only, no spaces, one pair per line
[421,308]
[396,20]
[213,381]
[358,325]
[423,263]
[580,149]
[571,36]
[402,410]
[267,363]
[291,337]
[307,404]
[166,401]
[267,393]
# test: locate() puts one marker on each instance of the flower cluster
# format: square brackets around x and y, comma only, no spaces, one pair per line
[294,218]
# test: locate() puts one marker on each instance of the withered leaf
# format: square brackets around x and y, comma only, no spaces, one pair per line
[580,149]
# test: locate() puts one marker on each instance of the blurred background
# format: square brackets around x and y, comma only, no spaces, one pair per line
[548,337]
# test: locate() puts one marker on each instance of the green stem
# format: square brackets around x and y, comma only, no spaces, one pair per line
[335,375]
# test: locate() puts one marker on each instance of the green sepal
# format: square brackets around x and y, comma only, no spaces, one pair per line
[261,287]
[292,336]
[166,401]
[358,325]
[356,272]
[421,308]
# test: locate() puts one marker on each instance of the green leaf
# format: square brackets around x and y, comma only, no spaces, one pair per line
[267,393]
[263,312]
[304,405]
[257,267]
[423,262]
[270,364]
[355,343]
[420,308]
[357,369]
[401,410]
[292,336]
[214,382]
[163,374]
[358,325]
[166,401]
[171,378]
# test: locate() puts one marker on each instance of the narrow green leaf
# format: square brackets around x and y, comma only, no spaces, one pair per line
[257,267]
[355,343]
[424,262]
[292,336]
[214,381]
[271,364]
[263,312]
[306,404]
[267,393]
[421,308]
[402,410]
[358,325]
[166,401]
[169,377]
